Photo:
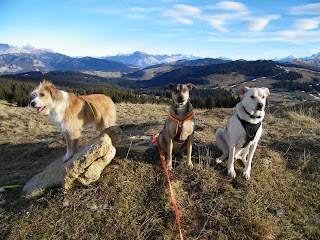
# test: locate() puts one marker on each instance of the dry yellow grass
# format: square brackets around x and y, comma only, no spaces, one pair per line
[131,199]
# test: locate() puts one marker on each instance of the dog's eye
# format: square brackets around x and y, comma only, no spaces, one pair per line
[252,97]
[33,95]
[41,94]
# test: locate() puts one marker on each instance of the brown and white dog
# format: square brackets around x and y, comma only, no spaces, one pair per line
[72,113]
[240,138]
[177,133]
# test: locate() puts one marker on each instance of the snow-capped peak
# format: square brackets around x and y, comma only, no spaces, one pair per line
[27,49]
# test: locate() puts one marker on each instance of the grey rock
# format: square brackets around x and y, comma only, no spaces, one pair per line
[83,168]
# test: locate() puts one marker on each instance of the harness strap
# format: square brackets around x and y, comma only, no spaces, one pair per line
[180,122]
[251,130]
[91,108]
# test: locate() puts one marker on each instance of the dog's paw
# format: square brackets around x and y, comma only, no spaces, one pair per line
[169,167]
[190,165]
[218,160]
[232,173]
[246,175]
[66,157]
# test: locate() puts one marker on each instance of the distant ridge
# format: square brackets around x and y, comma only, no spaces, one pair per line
[143,59]
[27,58]
[312,62]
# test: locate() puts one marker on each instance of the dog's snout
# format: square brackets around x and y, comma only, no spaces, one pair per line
[33,104]
[180,98]
[260,106]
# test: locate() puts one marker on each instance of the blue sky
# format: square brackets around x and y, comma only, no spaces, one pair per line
[248,29]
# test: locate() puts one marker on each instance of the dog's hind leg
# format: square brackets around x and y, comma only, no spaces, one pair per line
[222,144]
[102,125]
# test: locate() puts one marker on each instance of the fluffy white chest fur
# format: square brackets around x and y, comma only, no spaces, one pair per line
[57,113]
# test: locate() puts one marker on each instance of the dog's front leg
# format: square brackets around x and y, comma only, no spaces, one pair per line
[231,171]
[74,141]
[68,154]
[169,154]
[189,151]
[247,169]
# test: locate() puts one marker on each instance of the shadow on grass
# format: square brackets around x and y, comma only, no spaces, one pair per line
[18,164]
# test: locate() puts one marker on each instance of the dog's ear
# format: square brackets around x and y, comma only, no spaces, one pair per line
[170,86]
[44,81]
[242,91]
[266,91]
[191,86]
[53,92]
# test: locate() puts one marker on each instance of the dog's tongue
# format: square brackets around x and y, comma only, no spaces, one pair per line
[40,109]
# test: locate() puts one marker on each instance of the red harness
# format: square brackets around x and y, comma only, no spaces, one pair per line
[180,122]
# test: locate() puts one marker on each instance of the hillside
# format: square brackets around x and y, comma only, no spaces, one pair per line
[131,199]
[287,83]
[150,72]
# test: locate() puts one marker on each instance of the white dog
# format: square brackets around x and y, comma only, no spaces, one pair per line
[240,138]
[72,113]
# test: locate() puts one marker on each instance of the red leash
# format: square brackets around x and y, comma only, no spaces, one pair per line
[173,199]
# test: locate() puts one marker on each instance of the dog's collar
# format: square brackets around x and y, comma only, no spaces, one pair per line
[178,105]
[250,115]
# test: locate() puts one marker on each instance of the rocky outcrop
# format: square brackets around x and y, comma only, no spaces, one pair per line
[84,167]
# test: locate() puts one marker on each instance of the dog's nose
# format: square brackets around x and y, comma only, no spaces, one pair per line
[33,104]
[260,106]
[180,98]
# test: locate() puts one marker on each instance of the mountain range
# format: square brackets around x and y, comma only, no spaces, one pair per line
[15,59]
[312,62]
[27,58]
[143,60]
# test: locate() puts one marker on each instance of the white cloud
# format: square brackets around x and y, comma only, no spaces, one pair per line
[180,12]
[288,36]
[310,9]
[306,24]
[187,10]
[299,37]
[184,20]
[231,10]
[258,24]
[217,22]
[230,5]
